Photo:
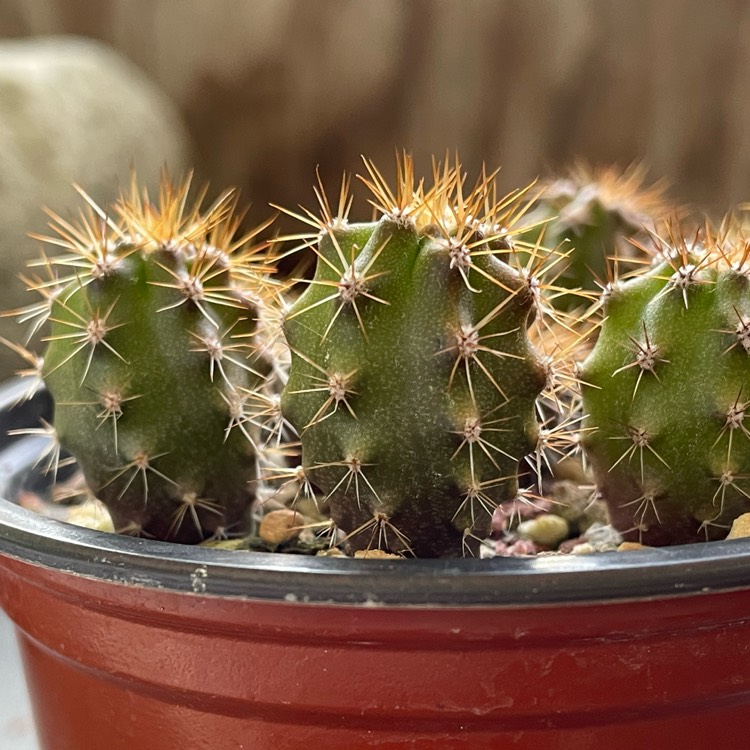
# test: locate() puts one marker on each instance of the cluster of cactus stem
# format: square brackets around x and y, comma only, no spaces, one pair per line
[426,374]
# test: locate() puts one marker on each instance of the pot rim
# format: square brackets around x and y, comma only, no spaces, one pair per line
[544,580]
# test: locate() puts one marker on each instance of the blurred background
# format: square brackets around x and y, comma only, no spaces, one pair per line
[256,93]
[270,88]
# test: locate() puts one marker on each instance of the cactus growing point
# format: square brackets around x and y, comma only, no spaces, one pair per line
[413,381]
[596,212]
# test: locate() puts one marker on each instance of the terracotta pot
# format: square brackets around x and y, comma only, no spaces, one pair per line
[130,644]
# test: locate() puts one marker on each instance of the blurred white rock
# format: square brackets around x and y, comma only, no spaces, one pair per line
[71,111]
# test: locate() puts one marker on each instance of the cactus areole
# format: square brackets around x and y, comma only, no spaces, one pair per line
[413,382]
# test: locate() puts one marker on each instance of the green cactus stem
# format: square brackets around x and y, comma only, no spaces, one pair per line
[592,215]
[413,382]
[666,390]
[153,361]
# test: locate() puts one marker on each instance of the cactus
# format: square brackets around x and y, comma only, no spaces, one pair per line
[153,362]
[413,382]
[590,215]
[666,390]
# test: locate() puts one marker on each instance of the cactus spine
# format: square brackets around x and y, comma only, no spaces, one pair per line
[153,361]
[666,390]
[413,382]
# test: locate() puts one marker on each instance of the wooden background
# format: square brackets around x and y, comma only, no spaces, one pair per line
[270,88]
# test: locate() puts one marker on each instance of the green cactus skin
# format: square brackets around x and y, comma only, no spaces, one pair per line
[412,383]
[665,391]
[152,363]
[590,215]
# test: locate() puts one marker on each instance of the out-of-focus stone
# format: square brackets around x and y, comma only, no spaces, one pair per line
[281,526]
[630,546]
[583,549]
[547,530]
[603,535]
[376,554]
[91,515]
[332,552]
[577,504]
[740,527]
[71,110]
[519,548]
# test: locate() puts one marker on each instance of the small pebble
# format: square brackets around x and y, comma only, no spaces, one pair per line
[509,513]
[376,554]
[577,504]
[546,530]
[91,515]
[281,526]
[568,545]
[583,549]
[499,521]
[600,534]
[740,527]
[31,501]
[519,548]
[629,546]
[331,552]
[587,548]
[231,544]
[487,549]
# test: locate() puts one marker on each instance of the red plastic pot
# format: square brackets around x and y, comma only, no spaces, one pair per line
[130,644]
